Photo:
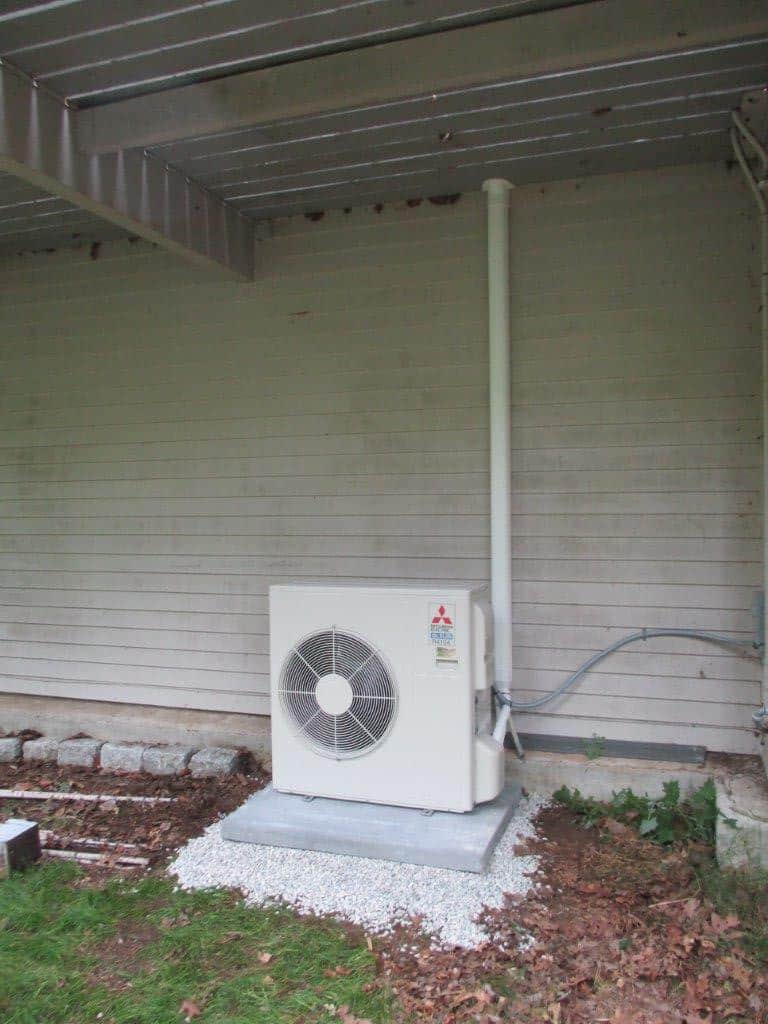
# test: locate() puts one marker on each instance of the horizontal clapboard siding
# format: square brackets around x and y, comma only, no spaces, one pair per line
[171,446]
[636,427]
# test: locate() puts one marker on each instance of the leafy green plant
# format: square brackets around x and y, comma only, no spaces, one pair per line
[665,820]
[594,748]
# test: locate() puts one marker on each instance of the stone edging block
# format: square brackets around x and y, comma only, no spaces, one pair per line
[10,748]
[80,753]
[45,748]
[122,757]
[170,760]
[212,761]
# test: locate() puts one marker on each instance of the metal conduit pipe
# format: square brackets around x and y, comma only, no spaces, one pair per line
[758,184]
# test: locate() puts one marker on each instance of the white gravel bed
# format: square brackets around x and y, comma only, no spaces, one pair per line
[371,893]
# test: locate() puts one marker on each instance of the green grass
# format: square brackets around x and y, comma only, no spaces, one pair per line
[61,961]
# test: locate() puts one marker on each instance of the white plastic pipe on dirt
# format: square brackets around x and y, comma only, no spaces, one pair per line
[758,184]
[94,798]
[764,319]
[497,193]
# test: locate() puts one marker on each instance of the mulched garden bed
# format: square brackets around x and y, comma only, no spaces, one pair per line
[154,831]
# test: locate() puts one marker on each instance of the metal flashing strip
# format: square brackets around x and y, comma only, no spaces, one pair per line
[673,752]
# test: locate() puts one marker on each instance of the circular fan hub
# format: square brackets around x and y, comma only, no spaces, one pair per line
[334,694]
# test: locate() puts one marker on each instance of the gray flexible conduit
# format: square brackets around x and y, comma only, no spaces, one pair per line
[643,634]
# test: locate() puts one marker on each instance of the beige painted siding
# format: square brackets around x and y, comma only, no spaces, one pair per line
[171,445]
[637,452]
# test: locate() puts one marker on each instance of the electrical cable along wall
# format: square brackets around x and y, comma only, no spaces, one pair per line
[508,701]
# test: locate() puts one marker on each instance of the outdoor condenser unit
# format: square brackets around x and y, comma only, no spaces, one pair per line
[382,694]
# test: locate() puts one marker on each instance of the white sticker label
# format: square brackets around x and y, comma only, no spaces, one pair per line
[442,625]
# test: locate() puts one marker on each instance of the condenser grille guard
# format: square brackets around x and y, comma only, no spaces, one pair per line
[339,693]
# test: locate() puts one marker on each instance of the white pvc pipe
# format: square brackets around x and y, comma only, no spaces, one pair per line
[497,192]
[764,327]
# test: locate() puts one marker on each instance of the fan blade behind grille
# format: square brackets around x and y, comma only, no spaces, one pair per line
[373,693]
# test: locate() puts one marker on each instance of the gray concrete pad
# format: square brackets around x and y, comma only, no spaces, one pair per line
[463,842]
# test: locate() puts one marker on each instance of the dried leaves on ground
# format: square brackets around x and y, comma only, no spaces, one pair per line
[618,931]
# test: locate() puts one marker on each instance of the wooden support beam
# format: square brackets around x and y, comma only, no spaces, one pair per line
[131,189]
[529,46]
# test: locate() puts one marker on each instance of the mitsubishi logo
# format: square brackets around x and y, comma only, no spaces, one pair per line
[442,618]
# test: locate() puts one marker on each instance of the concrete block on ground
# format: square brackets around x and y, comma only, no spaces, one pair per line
[81,753]
[168,760]
[461,842]
[212,761]
[19,844]
[10,748]
[122,757]
[741,832]
[45,748]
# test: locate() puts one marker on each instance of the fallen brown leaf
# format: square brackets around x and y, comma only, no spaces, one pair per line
[337,972]
[554,1011]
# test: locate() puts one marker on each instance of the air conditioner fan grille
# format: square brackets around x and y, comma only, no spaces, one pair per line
[372,702]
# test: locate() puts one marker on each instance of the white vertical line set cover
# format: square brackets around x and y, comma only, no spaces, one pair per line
[500,416]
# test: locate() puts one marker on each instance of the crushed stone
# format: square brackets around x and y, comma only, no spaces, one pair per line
[375,894]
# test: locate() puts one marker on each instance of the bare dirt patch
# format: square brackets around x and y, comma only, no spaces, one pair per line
[120,956]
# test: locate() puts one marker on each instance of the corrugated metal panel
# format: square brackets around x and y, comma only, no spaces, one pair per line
[171,446]
[92,52]
[650,111]
[623,116]
[31,219]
